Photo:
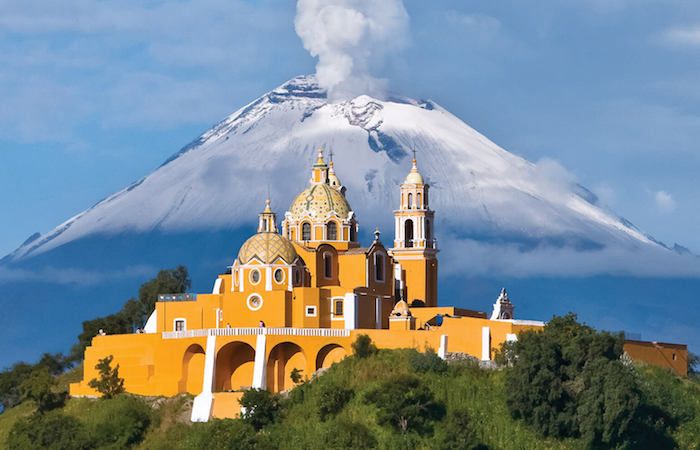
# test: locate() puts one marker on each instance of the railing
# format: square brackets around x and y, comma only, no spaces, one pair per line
[254,331]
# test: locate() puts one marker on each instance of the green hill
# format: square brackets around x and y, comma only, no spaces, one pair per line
[474,413]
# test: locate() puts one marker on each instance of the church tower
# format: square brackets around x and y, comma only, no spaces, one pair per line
[415,249]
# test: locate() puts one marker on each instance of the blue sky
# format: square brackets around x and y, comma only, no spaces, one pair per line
[96,94]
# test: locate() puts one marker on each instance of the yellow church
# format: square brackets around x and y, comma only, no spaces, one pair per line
[298,298]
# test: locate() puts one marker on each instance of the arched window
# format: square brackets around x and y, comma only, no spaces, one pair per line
[332,231]
[353,232]
[427,229]
[410,201]
[328,265]
[306,231]
[379,267]
[408,233]
[418,204]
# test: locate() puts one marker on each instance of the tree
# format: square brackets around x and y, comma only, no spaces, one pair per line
[260,407]
[332,399]
[10,381]
[406,404]
[39,386]
[363,346]
[693,365]
[456,433]
[427,362]
[295,376]
[135,312]
[51,431]
[109,383]
[344,434]
[568,381]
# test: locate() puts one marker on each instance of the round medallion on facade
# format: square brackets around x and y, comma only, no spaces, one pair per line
[254,302]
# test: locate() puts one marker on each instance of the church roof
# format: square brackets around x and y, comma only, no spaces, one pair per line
[267,248]
[319,201]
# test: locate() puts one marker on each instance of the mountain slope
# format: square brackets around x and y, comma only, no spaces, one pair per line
[479,189]
[501,221]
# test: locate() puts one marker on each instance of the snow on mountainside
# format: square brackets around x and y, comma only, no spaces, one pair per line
[479,190]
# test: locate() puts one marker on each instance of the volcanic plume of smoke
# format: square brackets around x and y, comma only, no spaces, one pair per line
[350,39]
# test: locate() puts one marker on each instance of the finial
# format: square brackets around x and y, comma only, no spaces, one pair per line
[414,156]
[319,157]
[376,234]
[330,158]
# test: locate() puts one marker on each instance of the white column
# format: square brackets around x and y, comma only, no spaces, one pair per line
[268,278]
[290,280]
[350,310]
[259,378]
[201,408]
[217,287]
[485,344]
[442,351]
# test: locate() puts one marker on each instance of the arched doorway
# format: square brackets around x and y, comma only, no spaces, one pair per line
[192,370]
[284,358]
[331,353]
[234,367]
[408,233]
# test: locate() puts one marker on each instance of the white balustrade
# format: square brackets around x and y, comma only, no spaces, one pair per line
[254,331]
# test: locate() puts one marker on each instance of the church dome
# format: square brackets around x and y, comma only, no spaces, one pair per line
[319,201]
[267,247]
[414,176]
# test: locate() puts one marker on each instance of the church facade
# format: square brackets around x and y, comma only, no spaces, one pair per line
[296,297]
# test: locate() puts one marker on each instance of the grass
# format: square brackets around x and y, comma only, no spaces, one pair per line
[480,392]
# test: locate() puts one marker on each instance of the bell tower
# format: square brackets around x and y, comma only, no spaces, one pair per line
[415,247]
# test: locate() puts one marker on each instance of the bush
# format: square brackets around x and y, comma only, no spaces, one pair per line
[568,381]
[332,399]
[51,431]
[456,433]
[406,404]
[295,376]
[343,434]
[224,434]
[121,422]
[427,362]
[363,346]
[261,408]
[109,384]
[39,387]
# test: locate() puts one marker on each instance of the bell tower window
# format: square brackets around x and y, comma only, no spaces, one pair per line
[410,201]
[306,231]
[418,201]
[408,233]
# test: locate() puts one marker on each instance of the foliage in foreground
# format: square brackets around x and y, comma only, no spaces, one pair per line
[569,381]
[109,383]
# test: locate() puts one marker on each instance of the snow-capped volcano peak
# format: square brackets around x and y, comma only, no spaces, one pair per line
[480,191]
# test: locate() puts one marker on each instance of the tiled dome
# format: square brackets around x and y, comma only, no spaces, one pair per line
[319,201]
[267,247]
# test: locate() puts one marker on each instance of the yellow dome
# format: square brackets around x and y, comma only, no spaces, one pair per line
[318,201]
[267,247]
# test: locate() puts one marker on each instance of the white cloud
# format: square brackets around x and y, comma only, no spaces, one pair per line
[681,36]
[664,201]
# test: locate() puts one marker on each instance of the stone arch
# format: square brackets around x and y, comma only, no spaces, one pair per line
[329,354]
[234,367]
[192,370]
[284,357]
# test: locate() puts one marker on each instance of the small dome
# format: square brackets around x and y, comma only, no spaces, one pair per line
[414,176]
[319,201]
[267,247]
[401,309]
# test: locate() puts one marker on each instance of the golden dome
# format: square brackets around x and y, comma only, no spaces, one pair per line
[319,201]
[267,247]
[414,176]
